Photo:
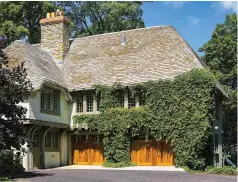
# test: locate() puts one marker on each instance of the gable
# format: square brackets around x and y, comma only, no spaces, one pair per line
[41,68]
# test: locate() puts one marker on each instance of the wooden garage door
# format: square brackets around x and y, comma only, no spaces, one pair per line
[151,153]
[87,151]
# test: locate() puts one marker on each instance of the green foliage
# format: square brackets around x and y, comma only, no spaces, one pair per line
[4,179]
[180,111]
[91,18]
[230,125]
[220,54]
[85,119]
[214,170]
[21,19]
[117,165]
[14,88]
[223,170]
[110,96]
[10,164]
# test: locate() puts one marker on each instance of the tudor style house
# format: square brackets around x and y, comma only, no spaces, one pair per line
[59,66]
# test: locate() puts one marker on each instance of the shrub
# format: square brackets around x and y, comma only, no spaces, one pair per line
[223,170]
[4,179]
[117,164]
[10,164]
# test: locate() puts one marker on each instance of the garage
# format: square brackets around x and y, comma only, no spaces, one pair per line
[151,153]
[87,150]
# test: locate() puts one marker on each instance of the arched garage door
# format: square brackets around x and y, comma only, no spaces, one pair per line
[151,153]
[87,150]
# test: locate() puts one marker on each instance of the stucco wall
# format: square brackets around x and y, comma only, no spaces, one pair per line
[52,159]
[32,104]
[69,146]
[63,148]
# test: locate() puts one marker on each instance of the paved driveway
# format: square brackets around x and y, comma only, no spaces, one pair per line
[78,175]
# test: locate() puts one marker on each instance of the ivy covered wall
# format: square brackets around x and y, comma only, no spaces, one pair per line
[180,111]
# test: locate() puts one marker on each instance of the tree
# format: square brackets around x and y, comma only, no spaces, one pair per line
[91,18]
[220,54]
[14,88]
[21,19]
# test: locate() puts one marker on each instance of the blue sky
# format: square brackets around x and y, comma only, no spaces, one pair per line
[195,21]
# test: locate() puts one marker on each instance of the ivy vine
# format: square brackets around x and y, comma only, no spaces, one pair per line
[180,111]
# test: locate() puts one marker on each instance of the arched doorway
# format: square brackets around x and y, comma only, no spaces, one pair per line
[36,148]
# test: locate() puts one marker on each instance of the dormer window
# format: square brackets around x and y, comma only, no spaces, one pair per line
[50,100]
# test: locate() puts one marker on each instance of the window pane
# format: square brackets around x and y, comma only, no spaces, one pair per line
[98,101]
[42,100]
[131,100]
[141,99]
[55,139]
[50,99]
[79,104]
[121,99]
[56,101]
[36,138]
[48,139]
[90,102]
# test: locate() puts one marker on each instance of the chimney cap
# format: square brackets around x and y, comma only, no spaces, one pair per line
[59,12]
[55,19]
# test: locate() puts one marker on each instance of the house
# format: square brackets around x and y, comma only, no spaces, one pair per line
[59,66]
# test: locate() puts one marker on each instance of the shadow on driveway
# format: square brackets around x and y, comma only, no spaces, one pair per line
[32,174]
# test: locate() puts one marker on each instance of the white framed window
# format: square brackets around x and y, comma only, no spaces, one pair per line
[55,139]
[50,100]
[52,139]
[131,100]
[89,102]
[79,104]
[98,101]
[48,139]
[121,99]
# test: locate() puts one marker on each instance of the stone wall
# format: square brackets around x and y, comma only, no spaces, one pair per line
[55,36]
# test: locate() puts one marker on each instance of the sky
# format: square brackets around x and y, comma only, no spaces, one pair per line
[195,21]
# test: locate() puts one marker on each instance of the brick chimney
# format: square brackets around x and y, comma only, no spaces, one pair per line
[55,35]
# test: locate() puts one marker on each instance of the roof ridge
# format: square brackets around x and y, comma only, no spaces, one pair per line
[137,29]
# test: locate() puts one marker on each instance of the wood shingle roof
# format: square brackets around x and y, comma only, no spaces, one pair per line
[148,54]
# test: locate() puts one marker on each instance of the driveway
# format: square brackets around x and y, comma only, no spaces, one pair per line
[81,175]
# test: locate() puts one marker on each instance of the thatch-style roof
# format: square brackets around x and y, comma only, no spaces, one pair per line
[147,54]
[41,68]
[121,58]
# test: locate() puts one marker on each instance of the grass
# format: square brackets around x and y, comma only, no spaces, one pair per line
[226,170]
[4,179]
